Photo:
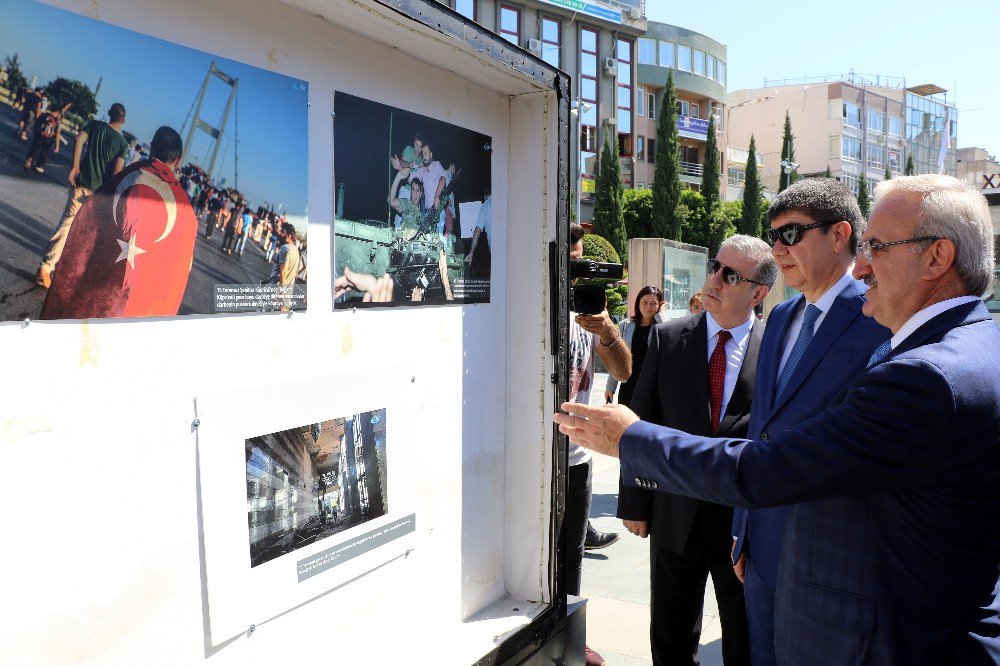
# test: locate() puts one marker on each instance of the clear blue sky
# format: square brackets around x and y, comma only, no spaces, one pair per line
[157,81]
[951,44]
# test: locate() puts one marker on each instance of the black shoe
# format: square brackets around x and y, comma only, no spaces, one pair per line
[596,540]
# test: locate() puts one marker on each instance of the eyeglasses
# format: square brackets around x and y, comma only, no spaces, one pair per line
[868,248]
[790,234]
[729,275]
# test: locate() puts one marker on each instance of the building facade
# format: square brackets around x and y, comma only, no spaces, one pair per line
[851,127]
[699,65]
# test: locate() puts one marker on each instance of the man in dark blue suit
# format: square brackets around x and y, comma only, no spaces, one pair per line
[814,344]
[892,552]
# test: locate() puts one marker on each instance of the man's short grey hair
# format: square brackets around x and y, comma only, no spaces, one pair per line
[765,269]
[954,210]
[821,199]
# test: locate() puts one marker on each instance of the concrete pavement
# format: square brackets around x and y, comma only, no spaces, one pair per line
[616,580]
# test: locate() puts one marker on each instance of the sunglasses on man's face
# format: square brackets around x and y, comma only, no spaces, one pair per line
[790,234]
[729,275]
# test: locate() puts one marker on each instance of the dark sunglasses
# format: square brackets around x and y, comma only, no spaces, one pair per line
[790,234]
[729,275]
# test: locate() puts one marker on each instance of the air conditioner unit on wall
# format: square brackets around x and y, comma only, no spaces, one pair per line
[610,67]
[634,13]
[535,45]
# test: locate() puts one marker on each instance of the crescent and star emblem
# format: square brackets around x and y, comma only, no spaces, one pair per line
[142,177]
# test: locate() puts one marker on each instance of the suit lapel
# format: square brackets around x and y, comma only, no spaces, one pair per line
[846,307]
[739,402]
[694,337]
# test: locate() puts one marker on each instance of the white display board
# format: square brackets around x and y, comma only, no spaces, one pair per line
[226,421]
[121,515]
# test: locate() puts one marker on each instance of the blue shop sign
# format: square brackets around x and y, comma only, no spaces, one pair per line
[589,8]
[692,128]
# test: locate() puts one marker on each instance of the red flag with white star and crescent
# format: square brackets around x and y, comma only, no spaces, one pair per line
[129,250]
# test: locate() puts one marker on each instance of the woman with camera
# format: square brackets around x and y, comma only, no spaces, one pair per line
[635,332]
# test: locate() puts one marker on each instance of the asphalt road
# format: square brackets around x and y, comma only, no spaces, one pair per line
[30,207]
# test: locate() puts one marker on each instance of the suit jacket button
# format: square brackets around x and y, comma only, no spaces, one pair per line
[638,482]
[652,485]
[763,436]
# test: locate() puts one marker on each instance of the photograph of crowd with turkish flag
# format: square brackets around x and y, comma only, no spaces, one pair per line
[141,178]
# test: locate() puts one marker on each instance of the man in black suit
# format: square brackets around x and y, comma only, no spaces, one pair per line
[698,376]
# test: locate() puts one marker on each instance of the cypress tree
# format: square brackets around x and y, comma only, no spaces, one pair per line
[863,202]
[667,174]
[609,223]
[753,197]
[888,174]
[787,153]
[710,178]
[908,170]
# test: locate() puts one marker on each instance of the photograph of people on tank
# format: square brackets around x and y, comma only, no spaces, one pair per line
[413,208]
[140,178]
[309,483]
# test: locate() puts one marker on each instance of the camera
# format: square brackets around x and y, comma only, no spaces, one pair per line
[589,298]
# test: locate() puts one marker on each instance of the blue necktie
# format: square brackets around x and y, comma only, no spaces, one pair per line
[799,349]
[880,353]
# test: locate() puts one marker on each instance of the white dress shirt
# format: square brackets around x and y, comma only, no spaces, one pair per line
[736,349]
[921,317]
[824,303]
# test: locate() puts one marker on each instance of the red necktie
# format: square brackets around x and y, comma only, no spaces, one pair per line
[717,378]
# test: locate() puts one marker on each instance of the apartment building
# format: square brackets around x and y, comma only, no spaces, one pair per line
[699,65]
[850,127]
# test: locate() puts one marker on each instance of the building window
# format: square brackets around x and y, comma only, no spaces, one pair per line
[876,122]
[683,108]
[647,51]
[699,62]
[666,54]
[736,177]
[850,148]
[551,40]
[651,106]
[651,150]
[640,149]
[834,152]
[684,58]
[895,126]
[510,24]
[623,51]
[852,115]
[876,156]
[588,97]
[466,8]
[720,72]
[710,66]
[851,182]
[639,97]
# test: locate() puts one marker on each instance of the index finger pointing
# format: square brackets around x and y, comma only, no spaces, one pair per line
[579,409]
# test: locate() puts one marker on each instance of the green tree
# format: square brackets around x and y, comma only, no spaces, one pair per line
[827,174]
[888,174]
[708,225]
[608,221]
[752,211]
[667,173]
[64,91]
[15,77]
[863,202]
[787,153]
[637,211]
[711,170]
[908,170]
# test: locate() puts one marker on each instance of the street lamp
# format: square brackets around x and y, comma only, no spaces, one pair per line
[788,166]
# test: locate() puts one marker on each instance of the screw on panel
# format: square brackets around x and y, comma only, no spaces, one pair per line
[195,423]
[27,321]
[250,631]
[413,380]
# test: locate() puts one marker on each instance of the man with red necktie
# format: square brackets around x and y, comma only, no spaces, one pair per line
[699,375]
[130,249]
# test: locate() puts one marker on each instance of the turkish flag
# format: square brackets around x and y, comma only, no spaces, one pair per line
[129,250]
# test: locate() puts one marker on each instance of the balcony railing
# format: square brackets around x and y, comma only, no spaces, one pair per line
[692,169]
